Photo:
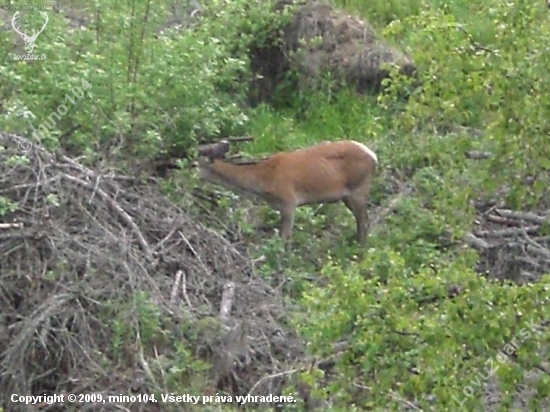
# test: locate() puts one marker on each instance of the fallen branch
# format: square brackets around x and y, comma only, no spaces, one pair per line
[184,291]
[527,216]
[174,292]
[538,250]
[476,242]
[528,261]
[502,220]
[275,375]
[230,139]
[159,245]
[10,225]
[405,333]
[477,155]
[240,139]
[143,362]
[77,166]
[506,232]
[227,301]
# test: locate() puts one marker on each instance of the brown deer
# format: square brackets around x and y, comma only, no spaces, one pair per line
[324,173]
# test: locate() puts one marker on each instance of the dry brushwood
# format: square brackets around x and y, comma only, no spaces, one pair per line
[83,248]
[513,244]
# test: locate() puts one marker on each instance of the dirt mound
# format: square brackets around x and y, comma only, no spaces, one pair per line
[319,40]
[107,287]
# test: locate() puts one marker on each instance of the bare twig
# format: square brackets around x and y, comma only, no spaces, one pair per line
[273,376]
[159,245]
[192,249]
[403,400]
[537,249]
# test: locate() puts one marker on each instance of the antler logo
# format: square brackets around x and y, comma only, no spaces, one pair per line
[29,40]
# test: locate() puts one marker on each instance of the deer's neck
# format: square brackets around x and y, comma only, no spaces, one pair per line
[248,179]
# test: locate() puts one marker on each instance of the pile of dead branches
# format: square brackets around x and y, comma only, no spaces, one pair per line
[84,252]
[514,245]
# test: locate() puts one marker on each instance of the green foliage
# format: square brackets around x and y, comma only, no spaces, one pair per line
[406,335]
[470,79]
[153,90]
[142,324]
[7,206]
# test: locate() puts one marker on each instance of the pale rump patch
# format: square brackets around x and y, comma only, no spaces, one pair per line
[367,150]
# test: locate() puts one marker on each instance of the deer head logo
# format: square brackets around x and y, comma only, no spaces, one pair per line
[29,40]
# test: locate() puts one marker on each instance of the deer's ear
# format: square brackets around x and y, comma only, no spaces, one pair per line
[223,146]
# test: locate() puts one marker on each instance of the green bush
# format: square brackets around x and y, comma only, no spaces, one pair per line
[153,89]
[408,335]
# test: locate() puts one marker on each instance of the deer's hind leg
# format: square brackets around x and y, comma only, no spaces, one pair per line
[357,202]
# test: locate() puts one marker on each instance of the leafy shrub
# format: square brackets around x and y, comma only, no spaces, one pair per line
[154,89]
